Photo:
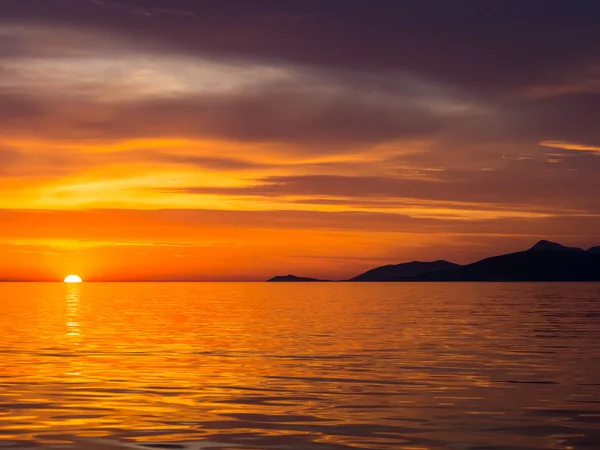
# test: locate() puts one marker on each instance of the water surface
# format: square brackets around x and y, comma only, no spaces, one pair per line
[316,366]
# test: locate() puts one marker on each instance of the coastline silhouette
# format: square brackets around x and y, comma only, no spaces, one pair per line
[544,261]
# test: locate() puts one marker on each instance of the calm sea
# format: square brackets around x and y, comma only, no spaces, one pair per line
[313,366]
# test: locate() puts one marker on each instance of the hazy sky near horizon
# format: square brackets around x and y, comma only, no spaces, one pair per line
[238,139]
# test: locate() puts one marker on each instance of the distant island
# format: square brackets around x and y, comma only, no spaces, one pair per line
[545,261]
[283,278]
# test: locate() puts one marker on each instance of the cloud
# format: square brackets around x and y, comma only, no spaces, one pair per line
[214,163]
[60,86]
[73,82]
[499,193]
[466,45]
[571,146]
[140,10]
[24,164]
[280,114]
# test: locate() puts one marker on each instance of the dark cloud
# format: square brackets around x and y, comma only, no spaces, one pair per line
[570,118]
[561,183]
[286,115]
[481,45]
[385,70]
[140,9]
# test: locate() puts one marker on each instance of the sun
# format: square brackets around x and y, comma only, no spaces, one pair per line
[73,279]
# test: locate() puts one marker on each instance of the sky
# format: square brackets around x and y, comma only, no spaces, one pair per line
[237,139]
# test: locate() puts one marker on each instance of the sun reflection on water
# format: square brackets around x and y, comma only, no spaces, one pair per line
[316,367]
[72,322]
[72,317]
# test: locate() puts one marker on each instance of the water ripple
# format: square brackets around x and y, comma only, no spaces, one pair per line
[311,367]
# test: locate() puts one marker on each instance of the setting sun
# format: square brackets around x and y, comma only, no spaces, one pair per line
[73,279]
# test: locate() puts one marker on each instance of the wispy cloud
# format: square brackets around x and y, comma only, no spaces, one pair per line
[571,146]
[141,10]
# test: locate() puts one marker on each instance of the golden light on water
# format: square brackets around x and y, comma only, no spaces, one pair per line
[73,279]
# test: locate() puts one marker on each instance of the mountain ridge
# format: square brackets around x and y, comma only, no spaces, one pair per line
[544,261]
[392,272]
[545,245]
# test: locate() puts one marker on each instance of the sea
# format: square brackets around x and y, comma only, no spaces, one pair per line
[300,366]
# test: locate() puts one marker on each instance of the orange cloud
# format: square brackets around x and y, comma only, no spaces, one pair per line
[570,146]
[128,153]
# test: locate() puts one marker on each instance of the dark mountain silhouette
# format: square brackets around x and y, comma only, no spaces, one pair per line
[292,278]
[393,272]
[545,261]
[544,245]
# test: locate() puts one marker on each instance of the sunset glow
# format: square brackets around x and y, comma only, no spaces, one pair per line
[299,224]
[142,144]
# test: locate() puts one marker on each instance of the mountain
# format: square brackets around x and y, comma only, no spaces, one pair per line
[544,245]
[292,278]
[555,264]
[394,272]
[545,261]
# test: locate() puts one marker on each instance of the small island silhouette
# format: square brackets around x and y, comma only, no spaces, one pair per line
[281,278]
[545,261]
